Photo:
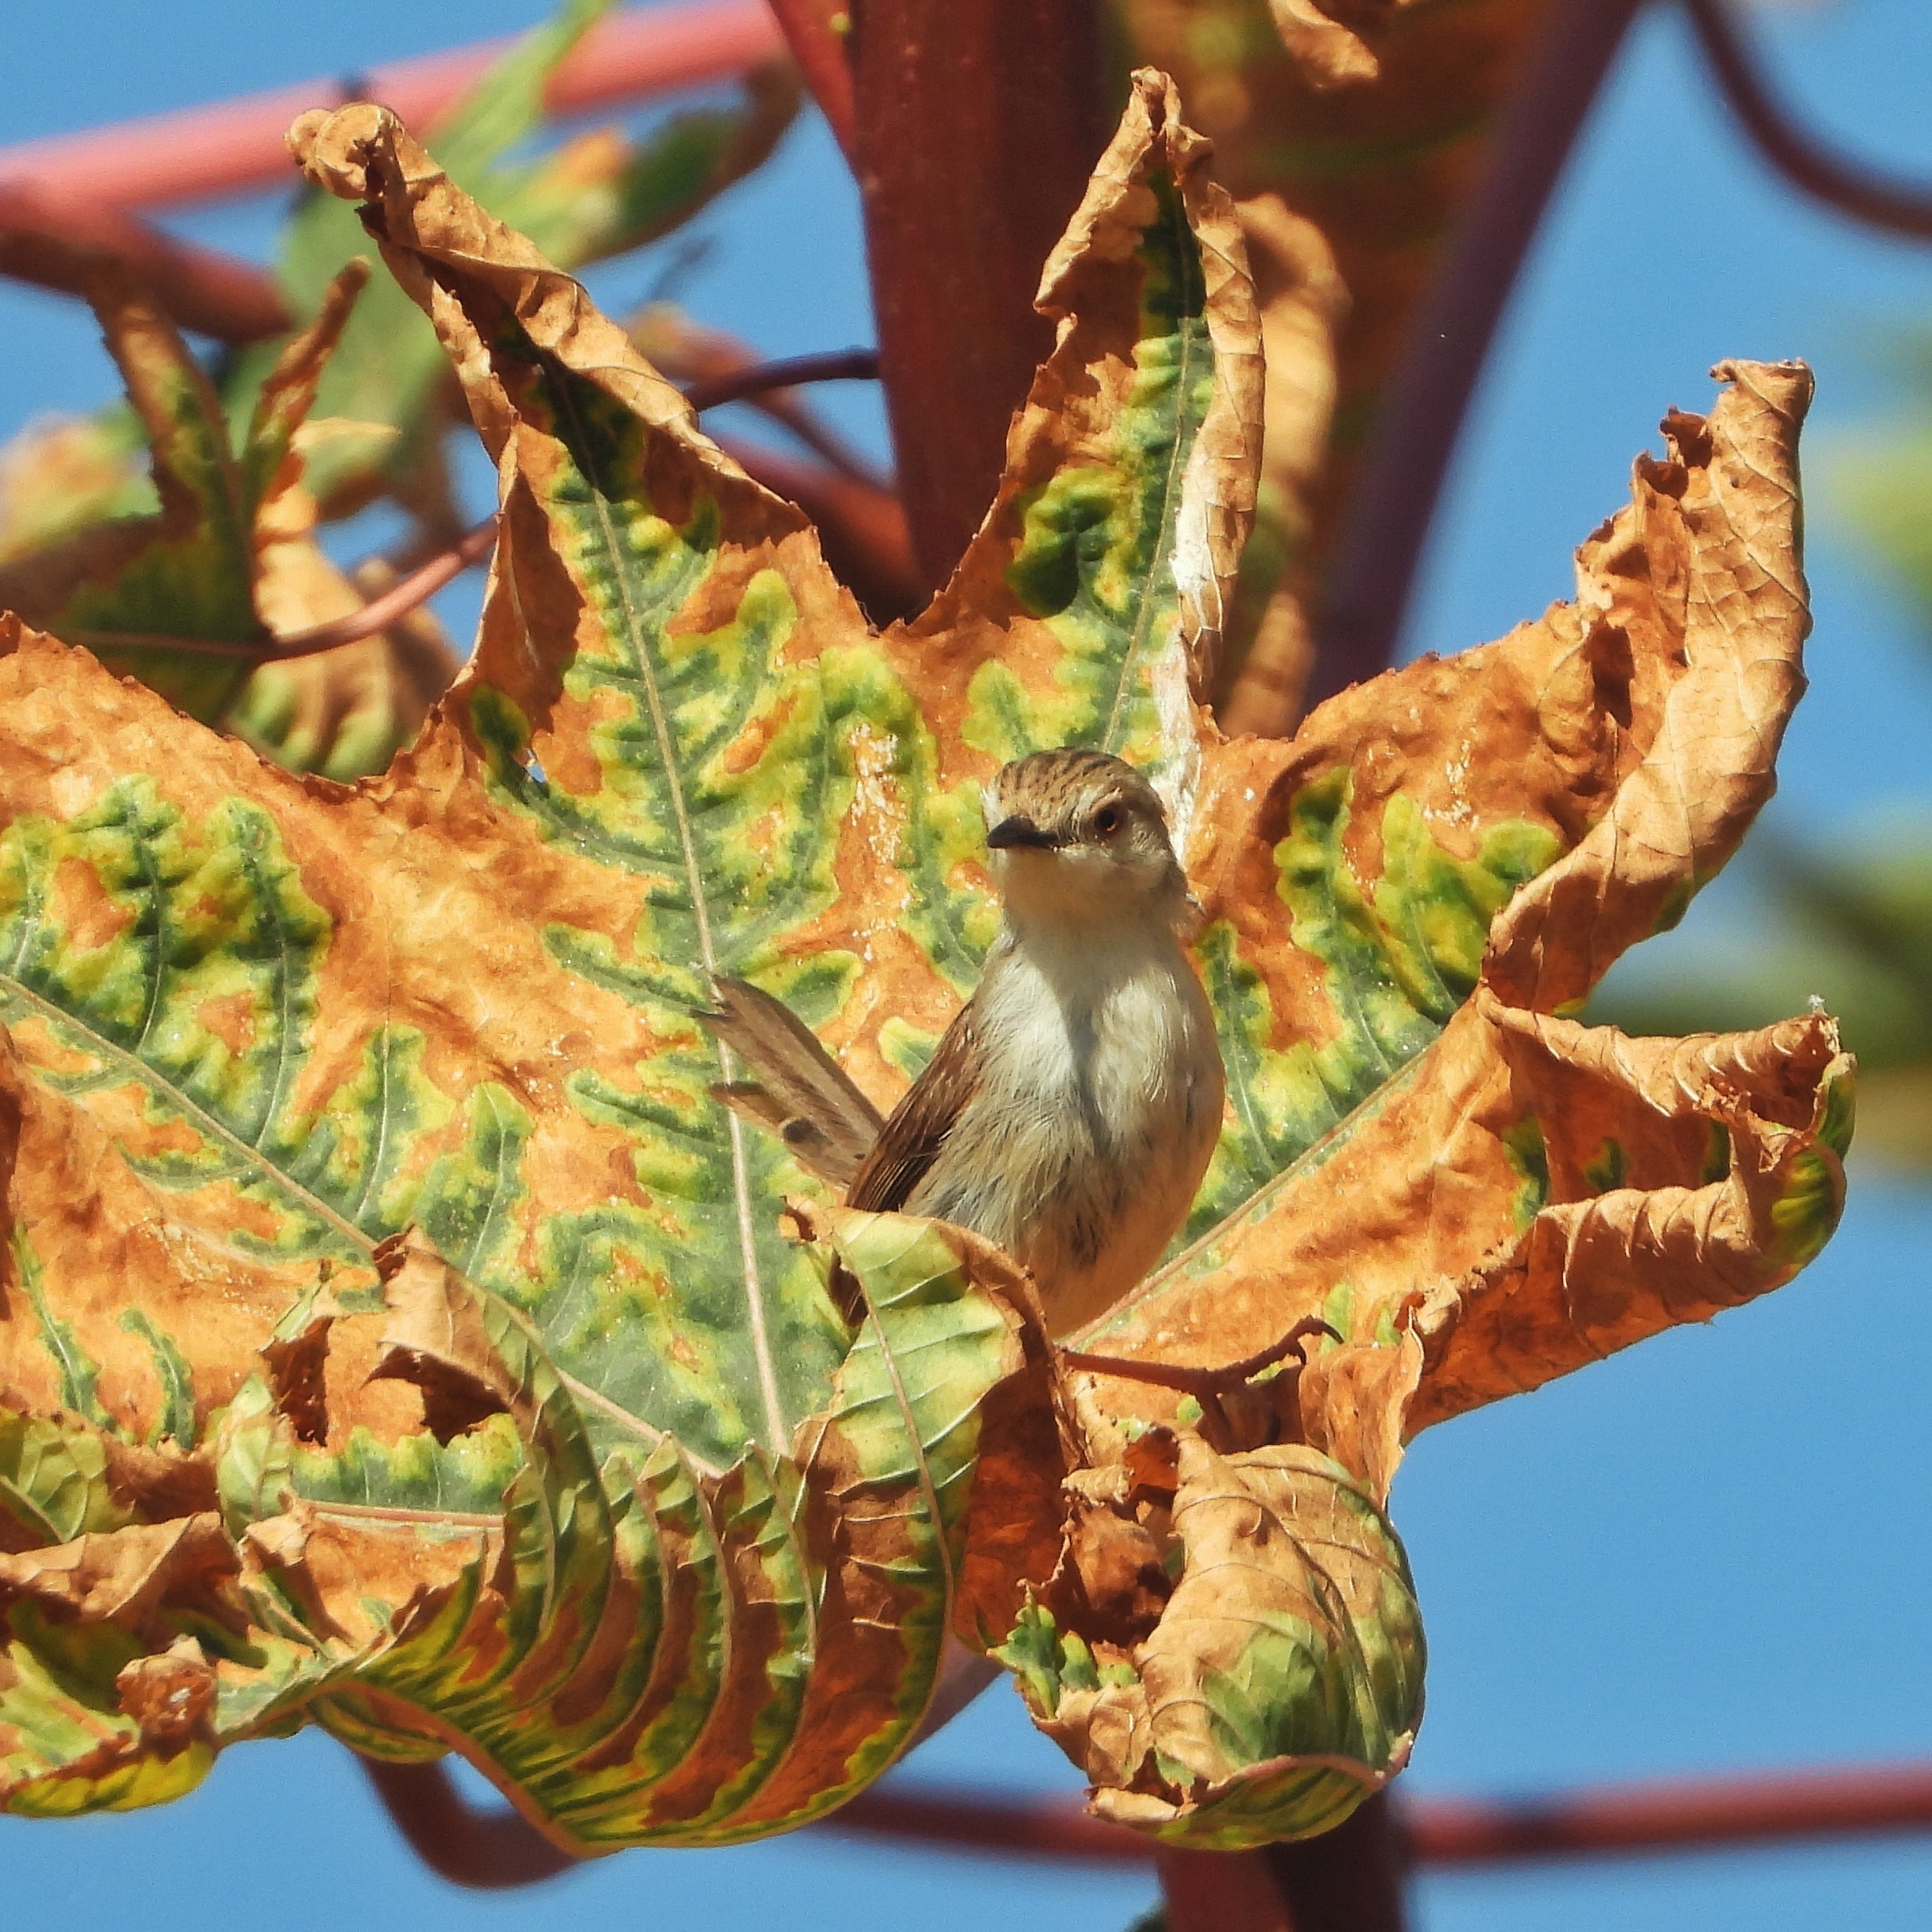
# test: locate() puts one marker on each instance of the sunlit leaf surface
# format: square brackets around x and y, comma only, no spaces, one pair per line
[398,1334]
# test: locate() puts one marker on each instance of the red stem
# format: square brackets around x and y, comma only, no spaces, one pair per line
[1674,1815]
[978,127]
[1380,543]
[1805,161]
[53,238]
[819,44]
[861,528]
[485,1850]
[1351,1879]
[498,1847]
[229,147]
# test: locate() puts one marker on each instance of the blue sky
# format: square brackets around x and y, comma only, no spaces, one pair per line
[1710,1553]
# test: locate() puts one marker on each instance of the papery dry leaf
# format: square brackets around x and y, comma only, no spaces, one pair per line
[1334,43]
[130,1577]
[1303,306]
[459,997]
[1370,121]
[661,1512]
[598,195]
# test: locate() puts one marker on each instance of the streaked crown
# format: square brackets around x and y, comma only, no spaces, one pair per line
[1072,797]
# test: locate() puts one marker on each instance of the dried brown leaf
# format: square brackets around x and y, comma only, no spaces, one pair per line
[1370,120]
[132,1577]
[1303,306]
[1530,1194]
[1334,43]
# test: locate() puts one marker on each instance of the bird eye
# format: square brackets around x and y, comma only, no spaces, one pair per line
[1107,821]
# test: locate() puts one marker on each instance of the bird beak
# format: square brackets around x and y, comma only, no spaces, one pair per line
[1019,831]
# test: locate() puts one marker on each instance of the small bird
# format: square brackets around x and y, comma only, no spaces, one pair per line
[1071,1109]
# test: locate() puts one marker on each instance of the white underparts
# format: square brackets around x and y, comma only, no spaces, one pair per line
[1098,1100]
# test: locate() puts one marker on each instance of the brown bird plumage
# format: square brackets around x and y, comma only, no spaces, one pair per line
[1071,1108]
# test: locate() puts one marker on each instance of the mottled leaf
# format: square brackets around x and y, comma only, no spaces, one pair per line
[1472,1192]
[683,1569]
[191,570]
[554,1413]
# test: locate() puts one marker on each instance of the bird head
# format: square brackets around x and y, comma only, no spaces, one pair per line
[1080,835]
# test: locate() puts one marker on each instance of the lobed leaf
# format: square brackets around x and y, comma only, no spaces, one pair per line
[261,1026]
[191,570]
[548,1413]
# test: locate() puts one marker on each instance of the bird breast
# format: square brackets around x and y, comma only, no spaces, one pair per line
[1097,1108]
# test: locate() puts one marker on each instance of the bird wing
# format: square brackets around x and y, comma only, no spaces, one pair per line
[802,1093]
[910,1141]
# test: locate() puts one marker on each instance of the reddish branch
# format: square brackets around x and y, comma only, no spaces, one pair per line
[1387,522]
[69,192]
[499,1848]
[1687,1815]
[488,1850]
[1807,163]
[819,33]
[54,239]
[784,372]
[231,146]
[713,366]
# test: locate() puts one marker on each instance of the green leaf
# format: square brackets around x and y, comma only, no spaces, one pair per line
[190,572]
[673,1479]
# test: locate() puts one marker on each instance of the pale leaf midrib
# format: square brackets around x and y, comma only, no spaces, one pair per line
[1311,1156]
[617,556]
[406,1516]
[138,1069]
[1174,490]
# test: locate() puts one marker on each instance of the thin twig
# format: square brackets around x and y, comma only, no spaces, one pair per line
[1388,515]
[833,365]
[398,601]
[1207,1386]
[1879,200]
